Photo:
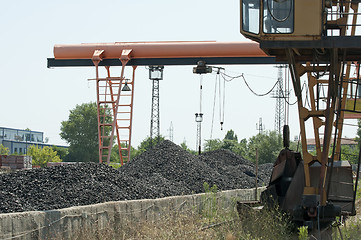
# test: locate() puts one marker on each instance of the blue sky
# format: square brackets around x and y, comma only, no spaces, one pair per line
[38,98]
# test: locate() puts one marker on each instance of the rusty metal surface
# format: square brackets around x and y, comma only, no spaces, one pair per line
[285,165]
[341,184]
[294,193]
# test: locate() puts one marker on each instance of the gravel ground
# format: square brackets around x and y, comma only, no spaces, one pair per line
[167,170]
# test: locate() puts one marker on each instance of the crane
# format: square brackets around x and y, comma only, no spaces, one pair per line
[115,93]
[318,40]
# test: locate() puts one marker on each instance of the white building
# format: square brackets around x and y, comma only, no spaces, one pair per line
[18,141]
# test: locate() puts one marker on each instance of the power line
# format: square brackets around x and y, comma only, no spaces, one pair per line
[230,78]
[258,94]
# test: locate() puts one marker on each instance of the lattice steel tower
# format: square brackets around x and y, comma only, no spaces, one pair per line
[171,130]
[279,94]
[155,74]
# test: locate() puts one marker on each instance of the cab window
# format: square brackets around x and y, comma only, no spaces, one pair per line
[251,16]
[278,16]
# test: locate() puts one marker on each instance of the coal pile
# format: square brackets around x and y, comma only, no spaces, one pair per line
[59,187]
[238,172]
[166,170]
[186,172]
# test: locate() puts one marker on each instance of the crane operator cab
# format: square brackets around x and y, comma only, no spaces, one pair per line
[281,19]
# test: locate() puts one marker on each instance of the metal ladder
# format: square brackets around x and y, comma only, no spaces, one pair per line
[115,110]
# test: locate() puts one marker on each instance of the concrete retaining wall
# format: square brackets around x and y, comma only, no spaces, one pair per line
[64,223]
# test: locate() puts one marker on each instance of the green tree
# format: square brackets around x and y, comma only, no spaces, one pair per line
[148,143]
[269,145]
[350,153]
[115,158]
[230,142]
[213,144]
[358,133]
[80,131]
[4,150]
[41,156]
[230,135]
[185,147]
[61,152]
[240,148]
[133,152]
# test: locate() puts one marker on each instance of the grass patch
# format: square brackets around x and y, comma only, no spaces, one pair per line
[252,225]
[358,192]
[216,218]
[349,231]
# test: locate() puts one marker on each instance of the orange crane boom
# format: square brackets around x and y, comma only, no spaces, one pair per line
[161,50]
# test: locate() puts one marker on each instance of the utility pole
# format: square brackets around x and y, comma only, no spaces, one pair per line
[256,197]
[155,74]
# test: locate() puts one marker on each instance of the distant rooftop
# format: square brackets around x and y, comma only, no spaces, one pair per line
[21,135]
[344,141]
[18,140]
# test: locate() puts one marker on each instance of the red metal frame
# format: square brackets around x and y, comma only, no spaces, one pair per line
[110,109]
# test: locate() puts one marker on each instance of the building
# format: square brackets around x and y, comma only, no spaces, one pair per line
[18,140]
[311,143]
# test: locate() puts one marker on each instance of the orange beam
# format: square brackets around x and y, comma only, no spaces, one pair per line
[160,50]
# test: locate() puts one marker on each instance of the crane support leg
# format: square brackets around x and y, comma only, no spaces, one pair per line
[322,102]
[114,108]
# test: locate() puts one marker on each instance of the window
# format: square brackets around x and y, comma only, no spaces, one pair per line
[15,150]
[38,137]
[278,16]
[20,150]
[10,134]
[18,138]
[251,16]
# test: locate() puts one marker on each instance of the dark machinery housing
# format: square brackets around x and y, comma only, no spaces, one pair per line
[286,190]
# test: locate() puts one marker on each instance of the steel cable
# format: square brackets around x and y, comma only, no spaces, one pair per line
[245,81]
[214,104]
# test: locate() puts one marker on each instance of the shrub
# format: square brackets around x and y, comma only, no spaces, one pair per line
[41,156]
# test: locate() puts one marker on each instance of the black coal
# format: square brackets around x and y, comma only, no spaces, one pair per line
[166,170]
